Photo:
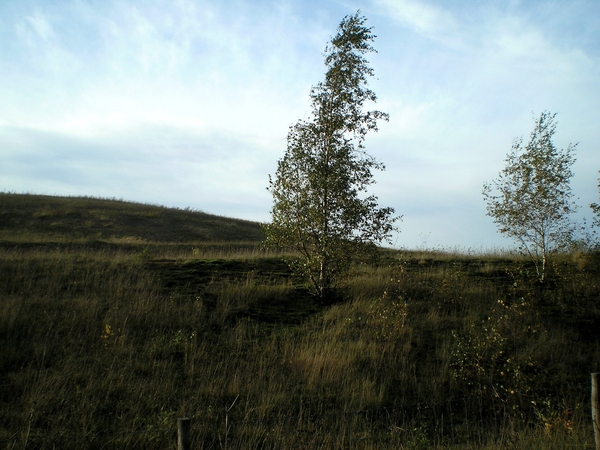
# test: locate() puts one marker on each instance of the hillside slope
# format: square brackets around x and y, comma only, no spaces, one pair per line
[26,217]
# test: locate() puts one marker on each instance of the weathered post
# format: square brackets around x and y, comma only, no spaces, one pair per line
[596,407]
[184,437]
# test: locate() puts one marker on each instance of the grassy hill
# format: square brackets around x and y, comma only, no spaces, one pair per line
[106,340]
[42,218]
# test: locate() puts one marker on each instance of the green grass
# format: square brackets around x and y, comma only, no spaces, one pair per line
[106,342]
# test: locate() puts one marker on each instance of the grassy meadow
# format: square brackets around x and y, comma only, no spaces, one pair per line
[117,318]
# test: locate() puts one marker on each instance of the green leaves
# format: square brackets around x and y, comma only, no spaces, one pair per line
[531,199]
[596,210]
[320,208]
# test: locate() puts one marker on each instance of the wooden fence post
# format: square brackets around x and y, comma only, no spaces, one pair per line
[184,437]
[596,407]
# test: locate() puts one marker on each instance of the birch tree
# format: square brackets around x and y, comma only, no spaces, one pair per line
[531,200]
[596,210]
[320,205]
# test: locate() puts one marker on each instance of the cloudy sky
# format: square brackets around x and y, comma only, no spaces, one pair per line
[188,102]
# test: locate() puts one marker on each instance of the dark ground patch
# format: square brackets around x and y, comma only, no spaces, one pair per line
[198,278]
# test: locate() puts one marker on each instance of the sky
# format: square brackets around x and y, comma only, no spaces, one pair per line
[187,103]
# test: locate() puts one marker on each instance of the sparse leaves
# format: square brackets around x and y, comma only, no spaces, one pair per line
[321,208]
[596,209]
[489,356]
[531,200]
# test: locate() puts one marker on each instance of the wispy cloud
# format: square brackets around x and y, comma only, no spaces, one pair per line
[41,27]
[424,18]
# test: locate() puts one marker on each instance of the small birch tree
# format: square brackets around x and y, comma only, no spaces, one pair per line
[531,200]
[320,206]
[596,210]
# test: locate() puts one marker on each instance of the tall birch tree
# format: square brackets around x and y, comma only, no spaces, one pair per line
[320,205]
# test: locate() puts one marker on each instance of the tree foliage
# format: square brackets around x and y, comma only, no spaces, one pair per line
[320,205]
[531,200]
[596,209]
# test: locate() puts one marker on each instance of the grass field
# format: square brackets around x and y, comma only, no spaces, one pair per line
[107,339]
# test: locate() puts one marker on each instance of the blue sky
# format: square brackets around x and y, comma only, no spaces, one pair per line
[188,102]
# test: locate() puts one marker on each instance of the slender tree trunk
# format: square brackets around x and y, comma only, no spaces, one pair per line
[544,258]
[322,280]
[323,269]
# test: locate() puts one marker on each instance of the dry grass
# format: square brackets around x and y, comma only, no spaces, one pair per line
[104,344]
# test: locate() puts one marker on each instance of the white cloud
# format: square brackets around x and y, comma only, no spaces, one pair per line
[42,50]
[185,65]
[41,26]
[424,18]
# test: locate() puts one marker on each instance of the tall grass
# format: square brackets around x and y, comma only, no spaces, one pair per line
[105,345]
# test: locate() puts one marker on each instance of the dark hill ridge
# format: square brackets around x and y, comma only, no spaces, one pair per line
[45,217]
